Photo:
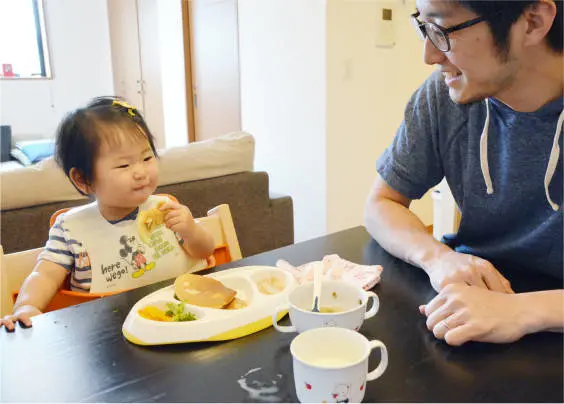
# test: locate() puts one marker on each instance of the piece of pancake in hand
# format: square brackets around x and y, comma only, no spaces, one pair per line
[203,291]
[148,221]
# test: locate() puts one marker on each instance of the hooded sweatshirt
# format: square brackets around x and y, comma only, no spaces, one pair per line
[504,169]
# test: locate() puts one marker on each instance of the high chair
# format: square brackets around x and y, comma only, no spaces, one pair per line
[15,267]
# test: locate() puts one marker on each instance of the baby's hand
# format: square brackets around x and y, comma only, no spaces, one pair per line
[23,314]
[178,218]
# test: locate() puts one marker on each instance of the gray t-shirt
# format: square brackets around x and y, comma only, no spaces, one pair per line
[515,227]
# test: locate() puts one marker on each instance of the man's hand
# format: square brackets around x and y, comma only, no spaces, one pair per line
[178,218]
[462,313]
[22,314]
[454,267]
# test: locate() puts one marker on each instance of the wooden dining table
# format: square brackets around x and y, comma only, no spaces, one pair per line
[79,354]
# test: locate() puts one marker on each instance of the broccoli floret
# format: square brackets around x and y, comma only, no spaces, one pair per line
[176,311]
[184,317]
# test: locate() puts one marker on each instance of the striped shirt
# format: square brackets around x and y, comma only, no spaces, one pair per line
[68,252]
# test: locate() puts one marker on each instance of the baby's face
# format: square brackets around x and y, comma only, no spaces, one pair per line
[125,175]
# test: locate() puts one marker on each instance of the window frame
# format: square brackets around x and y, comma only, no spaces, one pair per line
[42,44]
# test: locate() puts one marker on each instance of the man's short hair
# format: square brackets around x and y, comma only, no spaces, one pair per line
[501,15]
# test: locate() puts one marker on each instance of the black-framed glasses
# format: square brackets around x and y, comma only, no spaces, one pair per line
[439,35]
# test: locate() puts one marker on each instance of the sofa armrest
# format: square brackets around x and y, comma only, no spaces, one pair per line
[282,225]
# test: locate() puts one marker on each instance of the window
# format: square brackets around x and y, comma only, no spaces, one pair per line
[23,42]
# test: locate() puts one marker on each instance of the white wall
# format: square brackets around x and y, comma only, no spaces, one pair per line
[282,62]
[367,90]
[324,105]
[79,41]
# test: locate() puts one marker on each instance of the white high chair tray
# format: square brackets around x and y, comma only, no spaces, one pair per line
[213,324]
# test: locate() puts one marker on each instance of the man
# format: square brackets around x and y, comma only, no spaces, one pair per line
[490,121]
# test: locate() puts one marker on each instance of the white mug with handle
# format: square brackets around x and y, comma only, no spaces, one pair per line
[342,305]
[331,365]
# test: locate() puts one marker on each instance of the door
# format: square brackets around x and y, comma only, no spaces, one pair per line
[215,67]
[126,60]
[150,57]
[136,59]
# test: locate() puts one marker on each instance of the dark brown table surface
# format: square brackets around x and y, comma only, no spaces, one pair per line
[79,353]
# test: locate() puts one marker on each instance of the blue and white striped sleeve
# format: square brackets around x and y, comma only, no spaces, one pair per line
[58,248]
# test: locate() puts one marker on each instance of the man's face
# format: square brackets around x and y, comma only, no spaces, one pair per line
[473,69]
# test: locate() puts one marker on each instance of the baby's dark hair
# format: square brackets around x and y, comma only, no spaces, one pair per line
[82,132]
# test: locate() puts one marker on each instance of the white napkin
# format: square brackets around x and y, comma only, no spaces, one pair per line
[336,268]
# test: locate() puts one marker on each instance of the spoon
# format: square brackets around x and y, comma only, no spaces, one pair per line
[317,278]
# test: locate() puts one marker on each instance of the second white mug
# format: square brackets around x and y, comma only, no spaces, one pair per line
[331,365]
[341,304]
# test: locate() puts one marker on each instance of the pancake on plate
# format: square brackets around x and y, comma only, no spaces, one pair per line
[236,304]
[203,291]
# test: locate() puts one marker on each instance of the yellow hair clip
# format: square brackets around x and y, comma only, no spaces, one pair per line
[130,108]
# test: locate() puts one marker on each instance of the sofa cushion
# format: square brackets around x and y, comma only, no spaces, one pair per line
[45,182]
[228,154]
[38,184]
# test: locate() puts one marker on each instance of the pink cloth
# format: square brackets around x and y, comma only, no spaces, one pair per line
[334,267]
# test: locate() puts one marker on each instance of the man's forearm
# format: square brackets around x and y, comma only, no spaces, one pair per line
[544,311]
[402,234]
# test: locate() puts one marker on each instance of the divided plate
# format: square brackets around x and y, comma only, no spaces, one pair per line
[257,285]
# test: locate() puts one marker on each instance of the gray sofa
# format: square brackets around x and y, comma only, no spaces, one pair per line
[201,175]
[262,222]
